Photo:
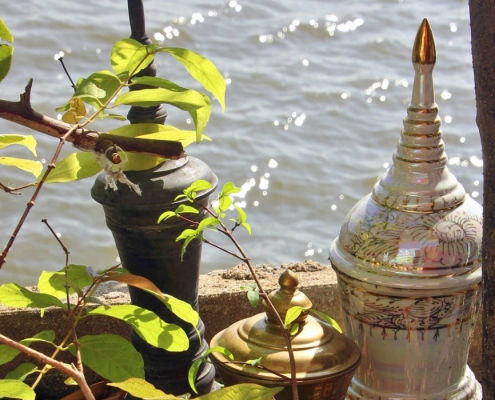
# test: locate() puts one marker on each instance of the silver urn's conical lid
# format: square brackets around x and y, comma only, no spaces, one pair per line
[418,222]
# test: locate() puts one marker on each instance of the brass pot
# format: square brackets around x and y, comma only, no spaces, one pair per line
[325,359]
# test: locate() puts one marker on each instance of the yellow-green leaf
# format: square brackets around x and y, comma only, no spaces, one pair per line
[6,51]
[149,326]
[13,295]
[54,283]
[26,141]
[31,166]
[14,389]
[201,69]
[144,390]
[74,167]
[243,391]
[5,33]
[128,55]
[157,132]
[76,112]
[110,356]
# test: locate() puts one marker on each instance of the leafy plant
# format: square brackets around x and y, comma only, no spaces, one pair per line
[215,221]
[109,355]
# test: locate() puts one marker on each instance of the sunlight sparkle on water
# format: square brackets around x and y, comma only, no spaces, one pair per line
[476,162]
[447,119]
[272,163]
[453,27]
[475,194]
[305,62]
[476,183]
[446,95]
[254,168]
[300,120]
[334,207]
[462,139]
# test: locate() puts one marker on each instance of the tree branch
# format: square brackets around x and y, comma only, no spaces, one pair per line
[21,112]
[62,367]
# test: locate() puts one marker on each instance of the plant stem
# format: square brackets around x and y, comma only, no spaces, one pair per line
[263,294]
[62,367]
[31,202]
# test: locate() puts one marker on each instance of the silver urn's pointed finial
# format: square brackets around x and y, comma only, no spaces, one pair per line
[419,179]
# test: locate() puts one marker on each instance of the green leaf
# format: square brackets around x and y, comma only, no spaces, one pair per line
[193,373]
[166,215]
[219,349]
[185,209]
[182,309]
[47,336]
[6,51]
[247,226]
[33,167]
[201,116]
[187,101]
[101,85]
[54,283]
[294,328]
[5,33]
[74,167]
[13,295]
[201,69]
[22,371]
[7,353]
[255,362]
[229,188]
[243,391]
[253,297]
[157,132]
[140,162]
[186,243]
[242,215]
[149,326]
[143,390]
[208,223]
[110,356]
[187,233]
[26,141]
[103,115]
[292,314]
[330,321]
[14,389]
[128,55]
[197,186]
[224,202]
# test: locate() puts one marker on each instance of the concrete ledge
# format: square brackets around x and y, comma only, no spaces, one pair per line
[221,303]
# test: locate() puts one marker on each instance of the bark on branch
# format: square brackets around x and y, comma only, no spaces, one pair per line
[22,113]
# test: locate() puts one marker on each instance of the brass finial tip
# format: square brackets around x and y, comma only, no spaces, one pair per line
[288,280]
[424,51]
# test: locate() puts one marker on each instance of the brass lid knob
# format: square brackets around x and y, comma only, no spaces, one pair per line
[287,296]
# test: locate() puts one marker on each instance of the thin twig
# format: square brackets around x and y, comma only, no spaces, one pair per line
[70,314]
[264,296]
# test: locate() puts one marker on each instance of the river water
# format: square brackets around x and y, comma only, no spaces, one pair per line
[316,94]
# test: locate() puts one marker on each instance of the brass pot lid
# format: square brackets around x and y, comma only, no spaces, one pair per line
[319,350]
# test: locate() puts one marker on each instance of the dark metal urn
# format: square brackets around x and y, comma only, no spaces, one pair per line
[150,250]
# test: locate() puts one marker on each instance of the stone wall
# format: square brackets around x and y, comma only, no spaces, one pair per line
[221,303]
